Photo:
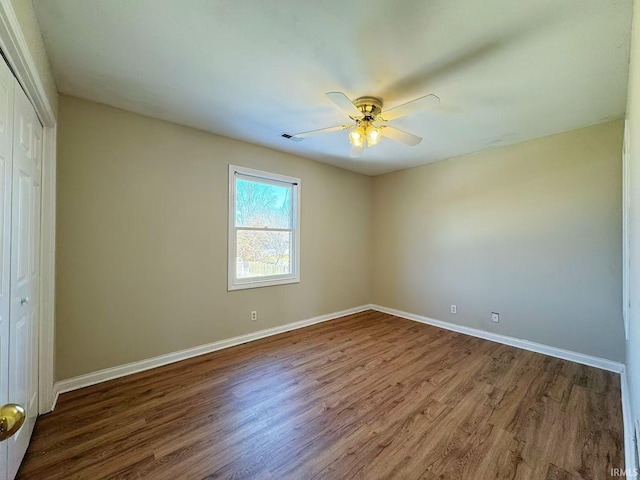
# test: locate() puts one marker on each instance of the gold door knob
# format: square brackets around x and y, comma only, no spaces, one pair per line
[11,419]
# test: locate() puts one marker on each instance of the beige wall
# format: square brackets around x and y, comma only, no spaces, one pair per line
[532,231]
[29,24]
[142,239]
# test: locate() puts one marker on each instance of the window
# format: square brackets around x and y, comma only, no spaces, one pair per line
[264,238]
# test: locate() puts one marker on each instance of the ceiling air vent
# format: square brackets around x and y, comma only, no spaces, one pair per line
[291,137]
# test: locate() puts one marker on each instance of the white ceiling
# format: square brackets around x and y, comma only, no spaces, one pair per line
[505,70]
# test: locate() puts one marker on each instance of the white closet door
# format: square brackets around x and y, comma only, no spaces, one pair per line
[7,85]
[25,272]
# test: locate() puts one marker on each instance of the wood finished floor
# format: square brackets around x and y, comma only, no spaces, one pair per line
[367,396]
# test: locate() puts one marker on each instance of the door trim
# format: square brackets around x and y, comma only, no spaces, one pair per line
[46,358]
[14,46]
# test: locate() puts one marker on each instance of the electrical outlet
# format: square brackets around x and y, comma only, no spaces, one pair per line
[254,316]
[454,309]
[495,317]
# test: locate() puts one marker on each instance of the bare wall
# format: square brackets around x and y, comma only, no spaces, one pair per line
[142,239]
[532,231]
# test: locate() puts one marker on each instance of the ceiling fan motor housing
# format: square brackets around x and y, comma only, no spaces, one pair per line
[370,107]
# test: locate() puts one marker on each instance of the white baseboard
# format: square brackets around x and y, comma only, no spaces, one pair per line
[589,360]
[628,429]
[56,394]
[135,367]
[142,365]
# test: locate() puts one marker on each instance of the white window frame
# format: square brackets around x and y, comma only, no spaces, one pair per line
[235,283]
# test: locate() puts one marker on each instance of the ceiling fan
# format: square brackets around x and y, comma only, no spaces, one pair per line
[370,120]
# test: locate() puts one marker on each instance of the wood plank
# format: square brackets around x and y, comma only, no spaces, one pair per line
[367,396]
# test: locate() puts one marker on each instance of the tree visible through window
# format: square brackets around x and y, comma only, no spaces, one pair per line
[263,228]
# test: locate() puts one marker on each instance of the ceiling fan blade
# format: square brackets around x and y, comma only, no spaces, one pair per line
[356,151]
[321,130]
[400,136]
[422,103]
[346,105]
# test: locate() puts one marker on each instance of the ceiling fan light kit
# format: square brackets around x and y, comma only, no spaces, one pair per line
[369,120]
[365,131]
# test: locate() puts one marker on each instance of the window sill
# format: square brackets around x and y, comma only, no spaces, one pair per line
[263,283]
